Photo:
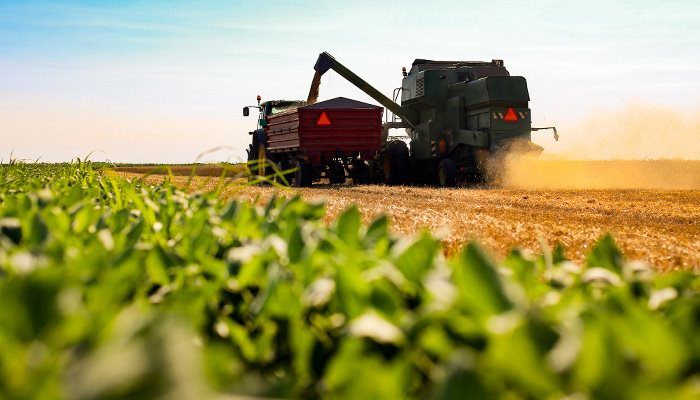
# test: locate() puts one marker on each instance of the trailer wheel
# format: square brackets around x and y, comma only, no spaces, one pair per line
[360,172]
[282,178]
[395,163]
[447,173]
[304,174]
[375,175]
[336,172]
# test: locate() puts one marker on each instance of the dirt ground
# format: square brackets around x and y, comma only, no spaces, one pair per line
[658,226]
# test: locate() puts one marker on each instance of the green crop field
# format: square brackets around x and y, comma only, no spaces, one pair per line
[112,288]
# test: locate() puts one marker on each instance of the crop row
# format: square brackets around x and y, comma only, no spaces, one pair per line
[111,288]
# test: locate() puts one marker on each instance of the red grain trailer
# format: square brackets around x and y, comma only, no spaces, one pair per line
[328,139]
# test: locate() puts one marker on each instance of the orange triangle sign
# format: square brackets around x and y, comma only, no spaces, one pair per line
[323,120]
[511,116]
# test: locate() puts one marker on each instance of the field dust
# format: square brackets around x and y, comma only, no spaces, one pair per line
[658,226]
[637,132]
[555,173]
[639,147]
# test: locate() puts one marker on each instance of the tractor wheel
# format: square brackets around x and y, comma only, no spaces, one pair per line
[304,174]
[447,173]
[257,160]
[336,173]
[395,163]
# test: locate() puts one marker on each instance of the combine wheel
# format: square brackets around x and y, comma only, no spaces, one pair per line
[447,173]
[395,163]
[304,175]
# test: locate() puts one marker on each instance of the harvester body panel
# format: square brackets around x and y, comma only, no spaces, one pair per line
[459,103]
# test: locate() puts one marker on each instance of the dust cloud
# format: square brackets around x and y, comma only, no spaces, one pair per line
[543,173]
[635,133]
[640,147]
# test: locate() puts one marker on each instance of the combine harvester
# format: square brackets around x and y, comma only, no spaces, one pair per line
[460,117]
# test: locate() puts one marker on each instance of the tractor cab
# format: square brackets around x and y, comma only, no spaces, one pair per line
[257,150]
[272,107]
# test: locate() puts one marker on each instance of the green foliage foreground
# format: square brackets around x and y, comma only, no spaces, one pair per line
[113,289]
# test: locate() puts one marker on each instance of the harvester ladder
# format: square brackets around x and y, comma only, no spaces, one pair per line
[394,118]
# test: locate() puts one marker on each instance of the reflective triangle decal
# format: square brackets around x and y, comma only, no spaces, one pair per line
[323,120]
[511,116]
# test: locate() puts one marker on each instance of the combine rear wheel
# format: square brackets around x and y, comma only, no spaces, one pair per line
[447,173]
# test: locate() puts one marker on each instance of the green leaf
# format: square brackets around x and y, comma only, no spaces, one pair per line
[36,231]
[462,381]
[348,224]
[378,229]
[478,282]
[514,353]
[605,254]
[241,338]
[156,267]
[295,245]
[594,361]
[355,375]
[418,258]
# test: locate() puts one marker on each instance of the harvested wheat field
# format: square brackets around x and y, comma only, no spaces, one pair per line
[656,221]
[229,170]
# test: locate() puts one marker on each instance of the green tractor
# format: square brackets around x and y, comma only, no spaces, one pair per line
[257,152]
[460,118]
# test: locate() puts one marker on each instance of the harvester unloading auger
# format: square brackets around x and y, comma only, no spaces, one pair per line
[457,114]
[461,117]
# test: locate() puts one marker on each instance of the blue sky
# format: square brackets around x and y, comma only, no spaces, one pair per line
[163,81]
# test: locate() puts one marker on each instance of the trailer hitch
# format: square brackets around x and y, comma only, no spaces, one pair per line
[556,135]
